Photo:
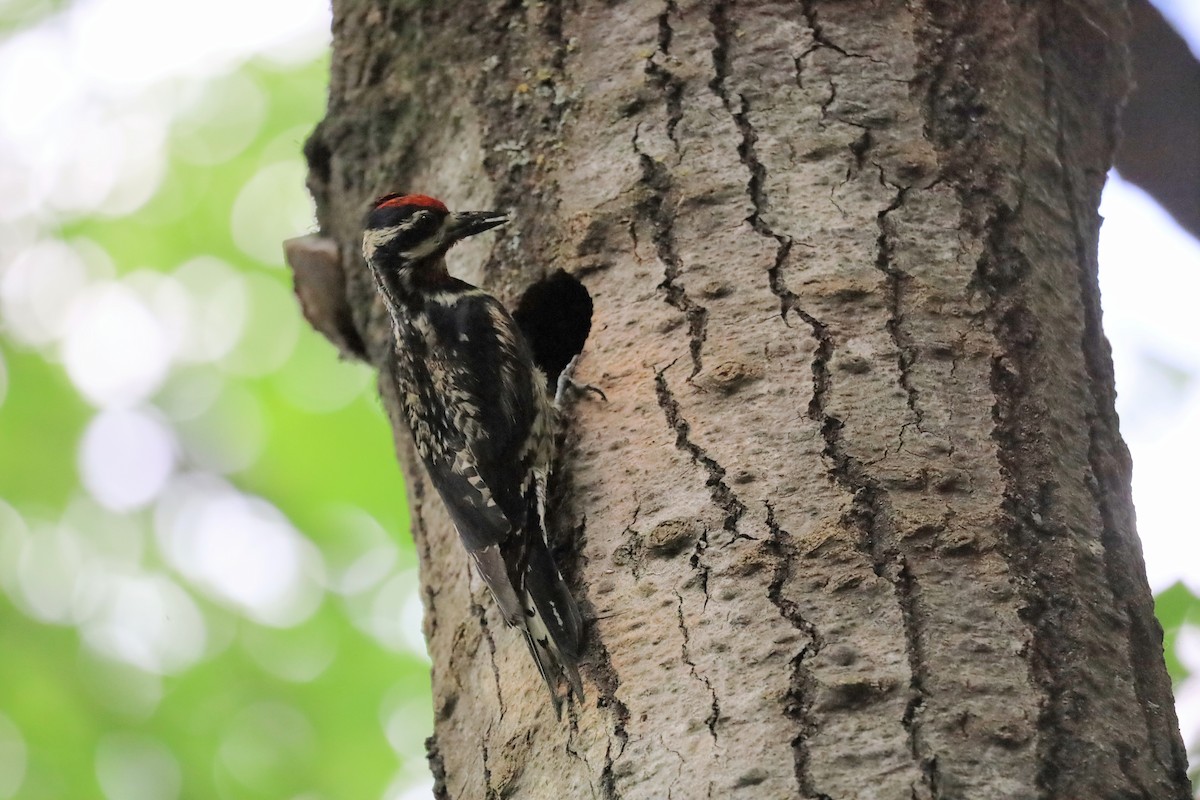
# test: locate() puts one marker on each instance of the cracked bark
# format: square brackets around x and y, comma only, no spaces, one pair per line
[856,519]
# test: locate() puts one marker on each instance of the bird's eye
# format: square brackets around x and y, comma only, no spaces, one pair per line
[422,216]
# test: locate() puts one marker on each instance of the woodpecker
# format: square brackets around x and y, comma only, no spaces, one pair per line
[481,417]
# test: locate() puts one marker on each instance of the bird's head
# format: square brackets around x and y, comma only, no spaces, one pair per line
[407,230]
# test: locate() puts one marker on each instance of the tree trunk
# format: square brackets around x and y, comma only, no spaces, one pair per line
[855,521]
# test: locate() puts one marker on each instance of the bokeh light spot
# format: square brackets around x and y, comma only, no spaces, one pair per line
[270,332]
[314,379]
[126,458]
[116,167]
[13,535]
[119,686]
[41,102]
[147,621]
[297,654]
[131,766]
[116,538]
[47,569]
[239,549]
[229,435]
[221,121]
[403,787]
[37,290]
[190,391]
[217,306]
[393,614]
[115,350]
[265,741]
[271,207]
[406,721]
[358,551]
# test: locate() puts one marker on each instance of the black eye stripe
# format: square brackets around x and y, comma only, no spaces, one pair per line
[426,224]
[415,232]
[406,240]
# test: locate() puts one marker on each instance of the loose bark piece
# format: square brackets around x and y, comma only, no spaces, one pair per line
[320,285]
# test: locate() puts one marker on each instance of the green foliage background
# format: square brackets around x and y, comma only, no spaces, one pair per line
[227,725]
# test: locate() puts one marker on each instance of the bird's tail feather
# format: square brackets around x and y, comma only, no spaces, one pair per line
[553,624]
[537,601]
[494,571]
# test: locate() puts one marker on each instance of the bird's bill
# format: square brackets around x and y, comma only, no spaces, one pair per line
[469,223]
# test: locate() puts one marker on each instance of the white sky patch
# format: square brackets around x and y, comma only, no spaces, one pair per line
[1149,279]
[115,349]
[1187,706]
[126,458]
[1187,694]
[1184,16]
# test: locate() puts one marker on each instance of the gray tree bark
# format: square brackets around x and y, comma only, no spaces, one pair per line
[855,521]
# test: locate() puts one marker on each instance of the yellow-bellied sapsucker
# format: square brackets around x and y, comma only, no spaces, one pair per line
[481,416]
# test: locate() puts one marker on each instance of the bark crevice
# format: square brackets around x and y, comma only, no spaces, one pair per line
[723,497]
[608,682]
[667,81]
[897,282]
[802,685]
[685,653]
[657,180]
[871,516]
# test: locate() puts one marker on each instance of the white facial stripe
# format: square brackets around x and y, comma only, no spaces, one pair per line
[374,238]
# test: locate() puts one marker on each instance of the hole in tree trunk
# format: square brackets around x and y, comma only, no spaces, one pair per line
[555,315]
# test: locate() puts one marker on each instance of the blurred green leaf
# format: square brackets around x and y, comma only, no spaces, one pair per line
[41,422]
[1174,606]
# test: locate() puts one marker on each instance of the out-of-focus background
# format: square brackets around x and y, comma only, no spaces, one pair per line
[207,588]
